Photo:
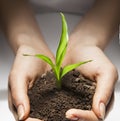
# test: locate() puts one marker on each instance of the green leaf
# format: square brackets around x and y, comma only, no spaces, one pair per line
[46,59]
[63,42]
[68,68]
[49,61]
[60,53]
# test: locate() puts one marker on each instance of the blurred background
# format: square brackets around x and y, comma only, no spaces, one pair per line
[50,24]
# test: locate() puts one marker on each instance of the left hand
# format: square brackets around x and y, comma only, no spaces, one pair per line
[101,70]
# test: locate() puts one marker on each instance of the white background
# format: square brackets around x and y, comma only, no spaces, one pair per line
[50,25]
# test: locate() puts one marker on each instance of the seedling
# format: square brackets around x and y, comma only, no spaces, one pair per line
[60,54]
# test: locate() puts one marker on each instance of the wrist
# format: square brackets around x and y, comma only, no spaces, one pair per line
[28,41]
[78,39]
[30,50]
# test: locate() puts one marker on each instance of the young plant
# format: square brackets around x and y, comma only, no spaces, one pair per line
[60,54]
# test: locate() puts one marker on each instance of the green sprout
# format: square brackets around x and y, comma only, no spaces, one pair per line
[60,54]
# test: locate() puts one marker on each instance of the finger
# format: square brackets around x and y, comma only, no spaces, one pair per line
[82,115]
[11,106]
[104,90]
[18,89]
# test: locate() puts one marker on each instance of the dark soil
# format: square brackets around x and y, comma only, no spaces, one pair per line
[50,103]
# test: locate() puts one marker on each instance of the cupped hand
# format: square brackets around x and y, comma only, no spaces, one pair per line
[24,72]
[101,70]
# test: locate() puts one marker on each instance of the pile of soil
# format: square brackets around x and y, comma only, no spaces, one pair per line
[50,103]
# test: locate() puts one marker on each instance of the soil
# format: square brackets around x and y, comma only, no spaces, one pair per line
[50,103]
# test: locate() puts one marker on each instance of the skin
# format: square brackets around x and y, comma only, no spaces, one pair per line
[24,36]
[21,29]
[89,40]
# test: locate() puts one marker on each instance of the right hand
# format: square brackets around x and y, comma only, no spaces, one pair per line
[24,72]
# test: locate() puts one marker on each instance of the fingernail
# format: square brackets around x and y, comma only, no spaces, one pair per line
[20,111]
[74,119]
[102,110]
[71,117]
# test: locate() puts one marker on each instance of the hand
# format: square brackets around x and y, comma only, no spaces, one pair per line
[24,72]
[101,70]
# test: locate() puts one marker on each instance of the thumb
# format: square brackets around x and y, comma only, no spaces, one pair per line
[104,90]
[18,97]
